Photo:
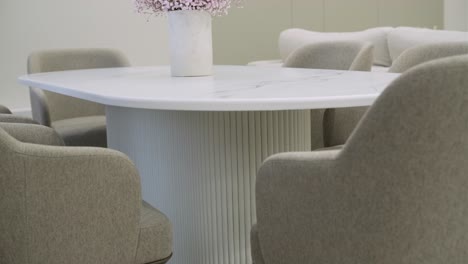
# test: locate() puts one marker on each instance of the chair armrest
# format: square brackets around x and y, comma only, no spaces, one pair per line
[31,133]
[8,118]
[83,203]
[4,110]
[292,191]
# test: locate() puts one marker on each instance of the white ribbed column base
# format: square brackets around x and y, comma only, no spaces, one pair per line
[199,169]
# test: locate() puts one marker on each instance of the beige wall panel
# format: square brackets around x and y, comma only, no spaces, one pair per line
[416,13]
[455,14]
[350,15]
[250,33]
[308,14]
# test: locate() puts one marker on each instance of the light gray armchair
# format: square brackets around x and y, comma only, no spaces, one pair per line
[423,53]
[339,55]
[73,204]
[78,122]
[338,126]
[396,193]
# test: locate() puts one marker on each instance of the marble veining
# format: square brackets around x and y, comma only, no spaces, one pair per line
[231,88]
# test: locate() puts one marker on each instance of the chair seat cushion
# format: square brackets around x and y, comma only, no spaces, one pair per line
[155,240]
[83,131]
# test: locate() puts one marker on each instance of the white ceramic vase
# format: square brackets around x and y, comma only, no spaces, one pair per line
[190,43]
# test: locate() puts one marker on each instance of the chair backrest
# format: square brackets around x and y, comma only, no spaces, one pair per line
[423,53]
[47,106]
[339,55]
[404,171]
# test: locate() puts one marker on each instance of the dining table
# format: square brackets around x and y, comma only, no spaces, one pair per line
[199,141]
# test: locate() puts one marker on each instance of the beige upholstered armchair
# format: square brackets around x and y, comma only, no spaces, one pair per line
[339,124]
[73,204]
[338,55]
[78,122]
[423,53]
[396,193]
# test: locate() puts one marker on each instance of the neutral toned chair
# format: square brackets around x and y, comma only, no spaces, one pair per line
[423,53]
[339,124]
[339,55]
[73,204]
[33,133]
[79,122]
[396,193]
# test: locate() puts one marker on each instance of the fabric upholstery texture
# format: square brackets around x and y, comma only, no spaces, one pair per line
[155,232]
[403,38]
[339,123]
[83,131]
[294,38]
[338,127]
[341,55]
[257,257]
[426,52]
[338,55]
[4,110]
[33,133]
[49,108]
[396,192]
[9,118]
[74,205]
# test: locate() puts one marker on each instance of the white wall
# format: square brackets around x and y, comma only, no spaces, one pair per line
[244,35]
[44,24]
[455,14]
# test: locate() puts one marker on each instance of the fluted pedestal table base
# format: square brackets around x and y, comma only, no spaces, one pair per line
[199,169]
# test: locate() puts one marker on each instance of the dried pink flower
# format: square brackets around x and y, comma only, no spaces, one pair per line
[214,7]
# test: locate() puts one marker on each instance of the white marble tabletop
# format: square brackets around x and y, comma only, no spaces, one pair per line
[231,88]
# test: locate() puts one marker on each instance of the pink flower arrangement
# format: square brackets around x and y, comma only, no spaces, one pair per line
[214,7]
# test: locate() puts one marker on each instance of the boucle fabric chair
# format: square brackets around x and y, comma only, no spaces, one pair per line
[423,53]
[79,122]
[339,55]
[396,192]
[74,205]
[338,127]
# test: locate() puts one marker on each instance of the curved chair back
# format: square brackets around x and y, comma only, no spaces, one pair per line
[423,53]
[340,123]
[339,55]
[396,193]
[332,125]
[48,107]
